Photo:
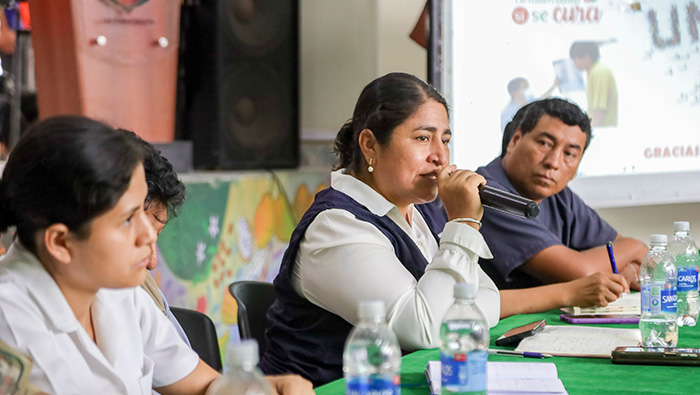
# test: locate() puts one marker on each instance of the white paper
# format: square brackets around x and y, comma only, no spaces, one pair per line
[521,370]
[580,341]
[570,79]
[509,378]
[627,304]
[525,386]
[433,373]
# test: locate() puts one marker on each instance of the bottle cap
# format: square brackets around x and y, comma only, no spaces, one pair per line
[465,291]
[681,226]
[371,309]
[659,239]
[244,352]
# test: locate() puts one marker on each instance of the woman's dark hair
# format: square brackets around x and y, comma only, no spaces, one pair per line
[383,105]
[164,186]
[65,169]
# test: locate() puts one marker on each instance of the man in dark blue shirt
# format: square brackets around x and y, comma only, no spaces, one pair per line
[566,241]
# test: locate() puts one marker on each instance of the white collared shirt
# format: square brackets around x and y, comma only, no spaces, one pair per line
[343,260]
[136,347]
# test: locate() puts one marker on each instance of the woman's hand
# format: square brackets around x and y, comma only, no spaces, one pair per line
[459,192]
[598,289]
[290,384]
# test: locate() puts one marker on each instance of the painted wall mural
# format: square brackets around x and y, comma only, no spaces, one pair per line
[230,228]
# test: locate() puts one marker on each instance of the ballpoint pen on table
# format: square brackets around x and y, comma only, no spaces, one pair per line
[525,354]
[612,257]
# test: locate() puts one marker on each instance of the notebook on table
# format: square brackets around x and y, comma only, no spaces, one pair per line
[509,378]
[627,304]
[577,341]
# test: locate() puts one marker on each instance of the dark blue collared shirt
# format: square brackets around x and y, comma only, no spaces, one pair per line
[564,219]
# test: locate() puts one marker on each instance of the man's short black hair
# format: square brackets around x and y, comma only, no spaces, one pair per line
[528,116]
[580,49]
[164,186]
[514,84]
[511,127]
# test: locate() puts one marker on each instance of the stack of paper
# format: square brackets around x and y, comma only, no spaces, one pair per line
[628,304]
[510,378]
[578,341]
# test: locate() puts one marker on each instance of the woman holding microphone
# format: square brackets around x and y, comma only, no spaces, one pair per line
[374,235]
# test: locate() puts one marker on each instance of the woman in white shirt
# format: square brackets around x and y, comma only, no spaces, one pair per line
[375,235]
[69,296]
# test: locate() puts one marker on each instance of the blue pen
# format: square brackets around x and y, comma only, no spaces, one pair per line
[525,354]
[612,257]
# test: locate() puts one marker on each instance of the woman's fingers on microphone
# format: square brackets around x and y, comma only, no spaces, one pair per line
[446,172]
[465,180]
[475,179]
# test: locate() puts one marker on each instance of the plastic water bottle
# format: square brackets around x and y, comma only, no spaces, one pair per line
[685,253]
[372,356]
[242,375]
[464,340]
[658,279]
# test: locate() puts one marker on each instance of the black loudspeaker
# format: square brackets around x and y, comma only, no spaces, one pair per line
[239,70]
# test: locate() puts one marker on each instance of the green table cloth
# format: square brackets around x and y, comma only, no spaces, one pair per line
[579,375]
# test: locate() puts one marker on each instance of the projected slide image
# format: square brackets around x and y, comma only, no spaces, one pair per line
[569,78]
[633,66]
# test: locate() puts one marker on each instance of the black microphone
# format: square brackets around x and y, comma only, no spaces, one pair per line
[508,202]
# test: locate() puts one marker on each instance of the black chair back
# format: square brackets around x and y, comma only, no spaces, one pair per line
[201,332]
[254,298]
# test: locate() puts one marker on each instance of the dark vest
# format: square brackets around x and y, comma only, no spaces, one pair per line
[305,339]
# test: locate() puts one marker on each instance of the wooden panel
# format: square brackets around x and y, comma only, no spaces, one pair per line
[124,77]
[56,63]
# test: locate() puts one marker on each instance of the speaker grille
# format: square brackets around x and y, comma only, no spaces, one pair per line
[258,114]
[241,84]
[256,28]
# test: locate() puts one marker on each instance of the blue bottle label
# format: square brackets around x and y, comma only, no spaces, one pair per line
[464,372]
[651,298]
[374,385]
[668,300]
[357,386]
[687,279]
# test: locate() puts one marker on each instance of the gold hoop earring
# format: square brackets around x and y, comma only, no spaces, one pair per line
[370,168]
